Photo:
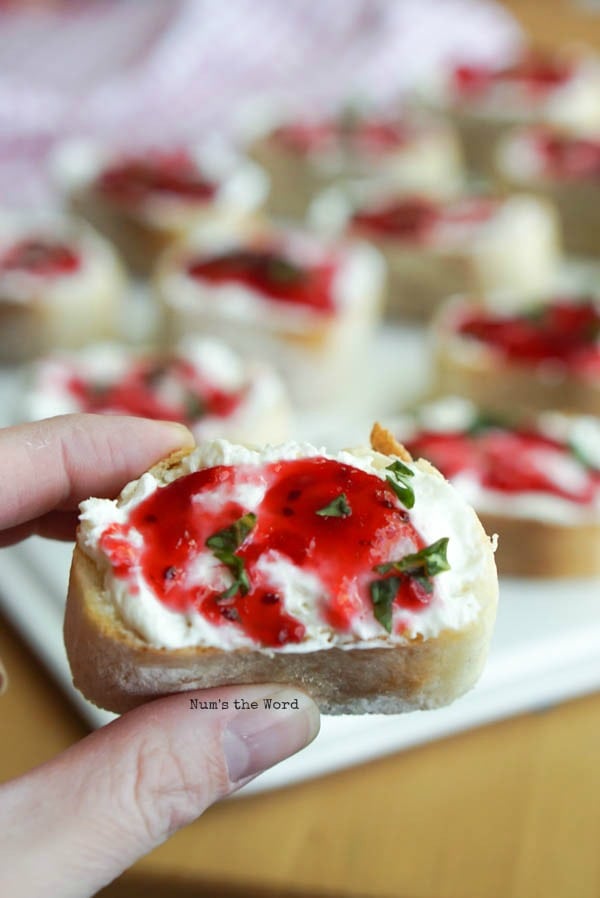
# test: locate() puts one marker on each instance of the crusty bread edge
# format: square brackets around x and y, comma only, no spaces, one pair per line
[529,547]
[501,386]
[117,670]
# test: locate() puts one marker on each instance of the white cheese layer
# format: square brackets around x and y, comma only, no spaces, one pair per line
[358,278]
[264,408]
[439,511]
[574,104]
[241,185]
[454,414]
[98,270]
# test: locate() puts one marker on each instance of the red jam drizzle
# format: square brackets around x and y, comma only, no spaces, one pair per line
[536,74]
[341,551]
[415,219]
[132,180]
[568,157]
[139,393]
[273,275]
[501,459]
[369,137]
[564,333]
[42,257]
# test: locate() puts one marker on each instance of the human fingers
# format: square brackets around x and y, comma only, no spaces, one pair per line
[54,464]
[78,821]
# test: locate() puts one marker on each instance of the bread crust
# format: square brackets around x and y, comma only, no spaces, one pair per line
[419,280]
[433,165]
[528,547]
[45,323]
[139,242]
[316,361]
[294,181]
[501,386]
[478,135]
[576,201]
[117,670]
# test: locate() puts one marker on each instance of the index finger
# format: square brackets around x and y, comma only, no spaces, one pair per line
[54,464]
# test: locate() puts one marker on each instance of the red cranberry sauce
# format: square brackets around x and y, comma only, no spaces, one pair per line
[416,219]
[536,74]
[42,257]
[340,550]
[563,333]
[273,274]
[368,137]
[167,390]
[132,180]
[511,461]
[566,156]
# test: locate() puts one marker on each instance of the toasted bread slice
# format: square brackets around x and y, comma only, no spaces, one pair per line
[117,667]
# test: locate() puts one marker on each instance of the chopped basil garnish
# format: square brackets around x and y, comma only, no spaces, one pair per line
[428,562]
[535,313]
[231,538]
[397,481]
[155,374]
[224,543]
[586,460]
[593,331]
[484,421]
[337,508]
[383,593]
[194,406]
[349,121]
[281,271]
[420,566]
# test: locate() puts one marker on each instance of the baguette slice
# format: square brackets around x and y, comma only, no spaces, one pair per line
[145,199]
[562,169]
[421,154]
[61,285]
[507,379]
[264,289]
[201,383]
[483,104]
[534,481]
[474,243]
[117,668]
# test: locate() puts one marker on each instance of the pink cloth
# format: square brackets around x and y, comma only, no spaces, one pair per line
[166,69]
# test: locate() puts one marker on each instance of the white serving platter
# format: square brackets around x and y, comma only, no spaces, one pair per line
[546,647]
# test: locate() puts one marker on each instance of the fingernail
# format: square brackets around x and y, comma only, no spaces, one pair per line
[3,678]
[184,434]
[285,721]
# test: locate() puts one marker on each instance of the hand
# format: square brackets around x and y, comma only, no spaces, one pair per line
[75,823]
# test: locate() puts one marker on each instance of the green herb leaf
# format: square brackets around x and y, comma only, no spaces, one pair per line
[194,406]
[231,538]
[349,122]
[155,373]
[397,481]
[241,583]
[281,271]
[535,313]
[484,421]
[426,563]
[400,469]
[224,543]
[383,593]
[578,453]
[420,566]
[592,332]
[337,508]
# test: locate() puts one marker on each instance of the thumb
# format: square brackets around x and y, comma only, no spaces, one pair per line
[81,819]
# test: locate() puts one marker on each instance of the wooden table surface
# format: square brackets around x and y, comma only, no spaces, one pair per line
[507,811]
